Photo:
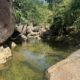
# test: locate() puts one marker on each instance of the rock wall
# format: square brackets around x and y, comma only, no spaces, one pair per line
[68,69]
[6,27]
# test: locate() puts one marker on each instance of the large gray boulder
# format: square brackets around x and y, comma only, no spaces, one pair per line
[6,26]
[68,69]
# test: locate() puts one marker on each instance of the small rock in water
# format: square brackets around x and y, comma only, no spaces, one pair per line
[13,45]
[4,54]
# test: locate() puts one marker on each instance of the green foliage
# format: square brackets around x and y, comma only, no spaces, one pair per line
[66,13]
[34,11]
[77,24]
[50,4]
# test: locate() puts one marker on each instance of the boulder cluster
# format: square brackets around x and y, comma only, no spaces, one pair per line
[29,32]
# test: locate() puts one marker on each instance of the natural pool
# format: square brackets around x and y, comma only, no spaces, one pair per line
[30,62]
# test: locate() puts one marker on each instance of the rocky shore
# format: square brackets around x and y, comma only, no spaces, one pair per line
[29,32]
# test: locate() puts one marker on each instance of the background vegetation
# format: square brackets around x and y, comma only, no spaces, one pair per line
[66,13]
[35,11]
[59,13]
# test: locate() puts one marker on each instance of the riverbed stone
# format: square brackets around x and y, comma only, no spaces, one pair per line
[5,53]
[13,45]
[68,69]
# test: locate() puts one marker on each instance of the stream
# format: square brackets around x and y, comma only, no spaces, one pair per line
[31,61]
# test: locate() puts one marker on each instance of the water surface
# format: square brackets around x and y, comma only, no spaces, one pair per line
[31,61]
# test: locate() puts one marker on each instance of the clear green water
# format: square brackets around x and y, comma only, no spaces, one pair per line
[31,61]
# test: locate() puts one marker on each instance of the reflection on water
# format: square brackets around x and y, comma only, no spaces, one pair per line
[36,60]
[30,62]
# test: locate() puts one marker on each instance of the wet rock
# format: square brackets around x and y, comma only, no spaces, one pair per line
[68,69]
[5,53]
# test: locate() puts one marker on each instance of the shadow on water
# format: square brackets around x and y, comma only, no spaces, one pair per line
[70,42]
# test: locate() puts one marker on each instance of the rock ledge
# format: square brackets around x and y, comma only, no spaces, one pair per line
[68,69]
